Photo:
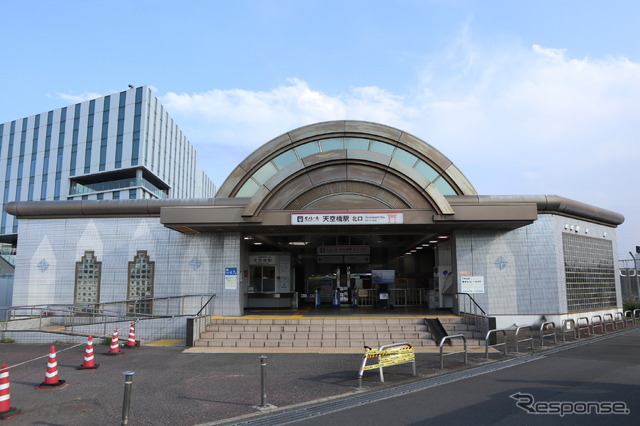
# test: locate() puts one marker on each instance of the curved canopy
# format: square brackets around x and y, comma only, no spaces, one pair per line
[346,164]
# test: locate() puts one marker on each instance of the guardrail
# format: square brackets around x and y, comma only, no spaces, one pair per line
[566,329]
[530,339]
[587,326]
[628,318]
[619,319]
[442,354]
[595,325]
[607,319]
[636,314]
[487,345]
[545,325]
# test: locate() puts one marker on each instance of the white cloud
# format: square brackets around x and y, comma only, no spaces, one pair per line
[517,121]
[78,98]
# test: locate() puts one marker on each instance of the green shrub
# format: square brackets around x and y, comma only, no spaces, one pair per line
[630,304]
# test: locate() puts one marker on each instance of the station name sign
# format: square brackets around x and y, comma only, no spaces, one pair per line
[347,218]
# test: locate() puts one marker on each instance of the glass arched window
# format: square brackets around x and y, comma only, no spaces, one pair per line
[87,286]
[140,287]
[272,167]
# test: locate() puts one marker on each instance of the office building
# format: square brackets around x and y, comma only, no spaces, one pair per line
[121,146]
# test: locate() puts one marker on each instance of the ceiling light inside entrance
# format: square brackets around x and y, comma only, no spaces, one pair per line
[297,243]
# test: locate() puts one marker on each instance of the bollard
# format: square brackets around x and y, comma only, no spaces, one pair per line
[263,378]
[126,402]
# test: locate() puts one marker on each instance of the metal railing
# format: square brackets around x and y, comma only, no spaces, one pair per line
[607,319]
[619,319]
[70,317]
[628,318]
[402,297]
[595,325]
[487,345]
[544,326]
[468,305]
[518,340]
[566,329]
[580,327]
[443,354]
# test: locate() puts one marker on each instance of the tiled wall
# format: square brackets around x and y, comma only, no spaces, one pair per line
[184,264]
[523,269]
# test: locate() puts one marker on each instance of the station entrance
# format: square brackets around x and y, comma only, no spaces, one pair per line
[359,270]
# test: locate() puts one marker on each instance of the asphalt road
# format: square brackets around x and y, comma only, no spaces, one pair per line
[171,387]
[602,372]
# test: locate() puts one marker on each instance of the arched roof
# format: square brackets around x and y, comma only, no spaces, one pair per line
[347,164]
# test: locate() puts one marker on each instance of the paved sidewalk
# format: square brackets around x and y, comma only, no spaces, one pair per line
[174,386]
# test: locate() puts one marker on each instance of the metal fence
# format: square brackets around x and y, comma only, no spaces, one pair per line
[42,323]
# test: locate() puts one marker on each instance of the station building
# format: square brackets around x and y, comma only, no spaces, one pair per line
[346,213]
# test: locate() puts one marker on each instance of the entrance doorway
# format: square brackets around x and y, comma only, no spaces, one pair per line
[330,270]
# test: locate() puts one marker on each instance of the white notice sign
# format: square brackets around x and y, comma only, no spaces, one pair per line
[471,284]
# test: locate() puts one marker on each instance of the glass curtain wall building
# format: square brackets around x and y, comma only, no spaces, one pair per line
[121,146]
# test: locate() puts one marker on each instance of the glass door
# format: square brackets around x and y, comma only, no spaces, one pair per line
[263,279]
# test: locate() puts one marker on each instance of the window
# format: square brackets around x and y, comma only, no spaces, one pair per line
[590,273]
[140,286]
[87,286]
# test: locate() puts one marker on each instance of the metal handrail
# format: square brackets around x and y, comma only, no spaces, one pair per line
[599,325]
[636,314]
[475,304]
[564,328]
[486,341]
[530,339]
[587,327]
[88,308]
[205,305]
[542,335]
[455,336]
[72,315]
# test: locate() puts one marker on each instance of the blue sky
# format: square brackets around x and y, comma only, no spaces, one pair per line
[525,97]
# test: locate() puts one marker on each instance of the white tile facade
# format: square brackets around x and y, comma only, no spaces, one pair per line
[184,264]
[523,269]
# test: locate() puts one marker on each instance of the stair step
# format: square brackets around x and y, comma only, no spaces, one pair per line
[330,332]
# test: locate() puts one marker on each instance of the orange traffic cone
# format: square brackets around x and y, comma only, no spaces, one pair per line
[51,380]
[114,349]
[6,410]
[89,363]
[131,341]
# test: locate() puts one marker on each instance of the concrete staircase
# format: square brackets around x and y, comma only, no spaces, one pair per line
[331,332]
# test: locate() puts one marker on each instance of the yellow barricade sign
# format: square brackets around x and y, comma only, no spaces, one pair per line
[390,357]
[387,355]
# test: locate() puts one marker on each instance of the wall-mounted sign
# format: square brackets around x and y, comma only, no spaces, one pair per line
[471,284]
[330,259]
[357,259]
[344,250]
[230,278]
[342,259]
[262,259]
[364,218]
